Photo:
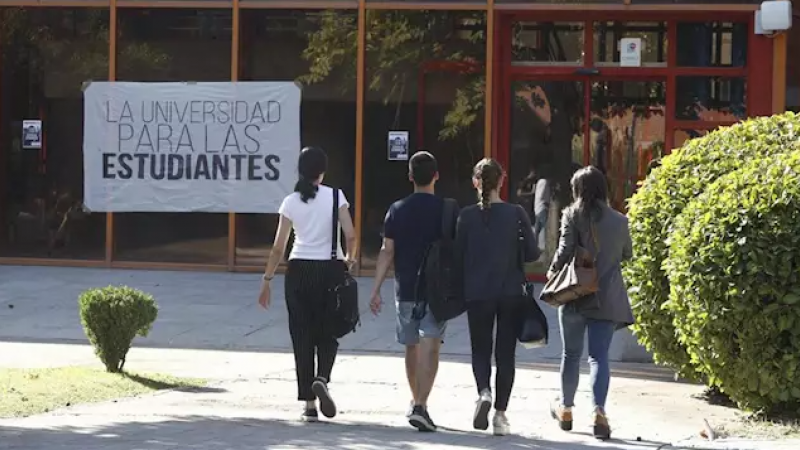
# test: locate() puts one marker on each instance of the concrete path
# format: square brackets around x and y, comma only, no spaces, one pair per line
[209,326]
[212,311]
[253,406]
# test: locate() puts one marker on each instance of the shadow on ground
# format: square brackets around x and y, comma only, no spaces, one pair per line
[178,385]
[636,371]
[206,433]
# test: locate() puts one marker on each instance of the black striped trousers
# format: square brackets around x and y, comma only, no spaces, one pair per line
[309,303]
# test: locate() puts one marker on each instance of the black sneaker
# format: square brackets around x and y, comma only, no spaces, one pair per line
[309,415]
[326,404]
[420,419]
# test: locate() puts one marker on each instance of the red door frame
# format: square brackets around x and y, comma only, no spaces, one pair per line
[758,70]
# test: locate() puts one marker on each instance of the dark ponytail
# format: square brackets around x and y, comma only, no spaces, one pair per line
[312,164]
[489,173]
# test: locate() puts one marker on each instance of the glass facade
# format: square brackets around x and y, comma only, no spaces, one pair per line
[561,98]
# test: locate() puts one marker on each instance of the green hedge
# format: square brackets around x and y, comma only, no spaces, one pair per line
[682,176]
[734,271]
[112,317]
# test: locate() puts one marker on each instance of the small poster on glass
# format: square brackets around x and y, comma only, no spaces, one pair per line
[398,146]
[32,134]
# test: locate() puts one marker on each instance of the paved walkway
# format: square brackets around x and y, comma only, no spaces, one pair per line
[215,330]
[253,406]
[207,311]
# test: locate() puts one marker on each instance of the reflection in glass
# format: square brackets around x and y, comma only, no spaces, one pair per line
[47,54]
[445,51]
[607,36]
[793,65]
[712,44]
[547,42]
[682,136]
[173,45]
[711,99]
[546,147]
[312,48]
[627,132]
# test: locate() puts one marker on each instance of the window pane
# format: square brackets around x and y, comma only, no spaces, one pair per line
[443,50]
[41,166]
[547,42]
[547,123]
[712,44]
[607,36]
[682,136]
[173,45]
[711,99]
[627,132]
[793,66]
[318,49]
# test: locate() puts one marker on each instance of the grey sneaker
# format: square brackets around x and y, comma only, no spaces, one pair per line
[480,419]
[501,425]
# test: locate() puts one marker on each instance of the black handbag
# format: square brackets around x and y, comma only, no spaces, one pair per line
[345,316]
[534,331]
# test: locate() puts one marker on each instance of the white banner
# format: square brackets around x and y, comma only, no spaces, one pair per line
[190,147]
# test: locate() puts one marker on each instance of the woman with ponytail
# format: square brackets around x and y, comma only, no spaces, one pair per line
[313,268]
[493,239]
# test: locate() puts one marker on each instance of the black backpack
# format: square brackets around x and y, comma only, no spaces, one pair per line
[437,279]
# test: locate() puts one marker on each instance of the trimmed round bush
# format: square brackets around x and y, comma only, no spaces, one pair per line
[684,175]
[111,317]
[734,272]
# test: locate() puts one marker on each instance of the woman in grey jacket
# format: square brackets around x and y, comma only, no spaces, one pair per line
[588,220]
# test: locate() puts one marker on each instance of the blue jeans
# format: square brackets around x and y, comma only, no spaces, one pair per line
[573,329]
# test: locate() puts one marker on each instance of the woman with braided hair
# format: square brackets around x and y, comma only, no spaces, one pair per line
[493,239]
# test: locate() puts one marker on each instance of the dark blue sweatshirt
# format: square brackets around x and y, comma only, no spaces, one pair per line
[492,245]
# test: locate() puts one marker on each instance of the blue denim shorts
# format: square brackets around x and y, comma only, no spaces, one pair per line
[410,330]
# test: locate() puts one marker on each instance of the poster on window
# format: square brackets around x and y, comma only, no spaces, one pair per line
[190,147]
[398,143]
[32,134]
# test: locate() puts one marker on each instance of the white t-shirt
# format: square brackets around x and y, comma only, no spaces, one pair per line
[312,223]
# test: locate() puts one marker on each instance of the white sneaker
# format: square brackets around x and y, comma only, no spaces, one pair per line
[501,425]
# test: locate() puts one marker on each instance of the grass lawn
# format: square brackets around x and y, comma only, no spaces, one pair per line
[25,392]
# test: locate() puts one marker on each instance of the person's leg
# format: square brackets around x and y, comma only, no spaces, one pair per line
[323,275]
[481,318]
[573,326]
[509,320]
[430,335]
[408,335]
[300,325]
[601,332]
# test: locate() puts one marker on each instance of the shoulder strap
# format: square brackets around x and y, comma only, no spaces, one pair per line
[335,225]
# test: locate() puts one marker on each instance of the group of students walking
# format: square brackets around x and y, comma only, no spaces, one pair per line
[492,240]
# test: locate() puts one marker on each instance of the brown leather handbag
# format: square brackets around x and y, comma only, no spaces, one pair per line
[576,280]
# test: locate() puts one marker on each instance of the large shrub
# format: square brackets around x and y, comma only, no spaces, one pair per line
[682,176]
[112,317]
[734,271]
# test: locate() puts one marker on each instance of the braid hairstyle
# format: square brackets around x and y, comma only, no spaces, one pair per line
[489,173]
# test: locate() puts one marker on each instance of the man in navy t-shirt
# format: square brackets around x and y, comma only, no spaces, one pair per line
[411,226]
